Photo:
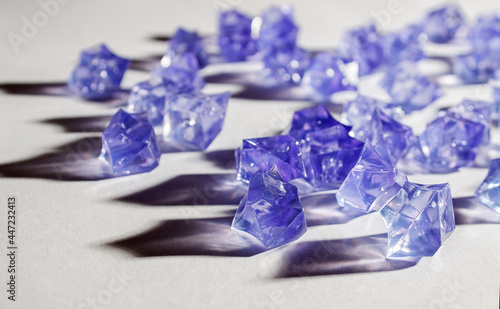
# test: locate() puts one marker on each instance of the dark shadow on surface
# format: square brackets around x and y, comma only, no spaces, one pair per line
[212,237]
[161,37]
[323,209]
[145,64]
[222,158]
[469,210]
[194,190]
[342,256]
[53,89]
[74,161]
[81,124]
[246,78]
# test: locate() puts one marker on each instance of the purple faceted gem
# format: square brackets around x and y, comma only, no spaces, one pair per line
[419,219]
[129,144]
[496,96]
[474,110]
[312,119]
[442,24]
[149,96]
[278,30]
[286,66]
[363,45]
[326,75]
[277,154]
[185,42]
[485,32]
[194,120]
[448,143]
[235,36]
[329,155]
[489,191]
[403,45]
[371,184]
[98,74]
[477,67]
[271,211]
[408,89]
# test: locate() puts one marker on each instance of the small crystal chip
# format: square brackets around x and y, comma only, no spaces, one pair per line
[286,66]
[183,42]
[129,144]
[271,211]
[442,24]
[235,36]
[419,219]
[329,155]
[325,75]
[277,154]
[194,120]
[489,191]
[371,183]
[278,30]
[408,89]
[98,74]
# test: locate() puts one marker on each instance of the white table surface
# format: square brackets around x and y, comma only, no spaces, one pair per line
[66,227]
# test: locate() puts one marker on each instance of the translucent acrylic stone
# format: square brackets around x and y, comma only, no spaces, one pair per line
[442,24]
[403,45]
[149,96]
[489,191]
[194,120]
[329,155]
[419,219]
[277,154]
[371,183]
[98,74]
[271,211]
[474,110]
[448,143]
[235,36]
[286,66]
[312,119]
[408,89]
[477,67]
[484,32]
[325,75]
[496,96]
[277,30]
[363,46]
[129,144]
[185,42]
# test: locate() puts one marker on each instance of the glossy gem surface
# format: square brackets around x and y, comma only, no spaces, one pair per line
[278,30]
[194,120]
[419,219]
[235,36]
[371,183]
[183,42]
[129,144]
[442,24]
[98,74]
[270,211]
[489,191]
[286,66]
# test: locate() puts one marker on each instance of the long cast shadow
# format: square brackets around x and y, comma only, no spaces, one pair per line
[469,210]
[222,158]
[81,124]
[212,237]
[323,209]
[194,190]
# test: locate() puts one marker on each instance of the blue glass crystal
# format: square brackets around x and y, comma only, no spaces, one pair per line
[149,96]
[408,89]
[235,36]
[496,96]
[403,45]
[277,154]
[186,42]
[371,183]
[286,66]
[474,110]
[312,119]
[448,143]
[363,45]
[442,24]
[194,120]
[129,144]
[489,191]
[278,30]
[326,75]
[477,67]
[329,155]
[271,211]
[98,74]
[485,31]
[419,219]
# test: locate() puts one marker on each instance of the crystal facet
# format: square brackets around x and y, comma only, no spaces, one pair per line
[185,42]
[442,24]
[194,120]
[403,45]
[129,144]
[326,75]
[271,211]
[408,89]
[98,74]
[419,219]
[286,66]
[235,36]
[477,67]
[329,155]
[277,154]
[371,183]
[278,30]
[489,191]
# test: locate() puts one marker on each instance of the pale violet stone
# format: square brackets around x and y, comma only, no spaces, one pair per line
[489,191]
